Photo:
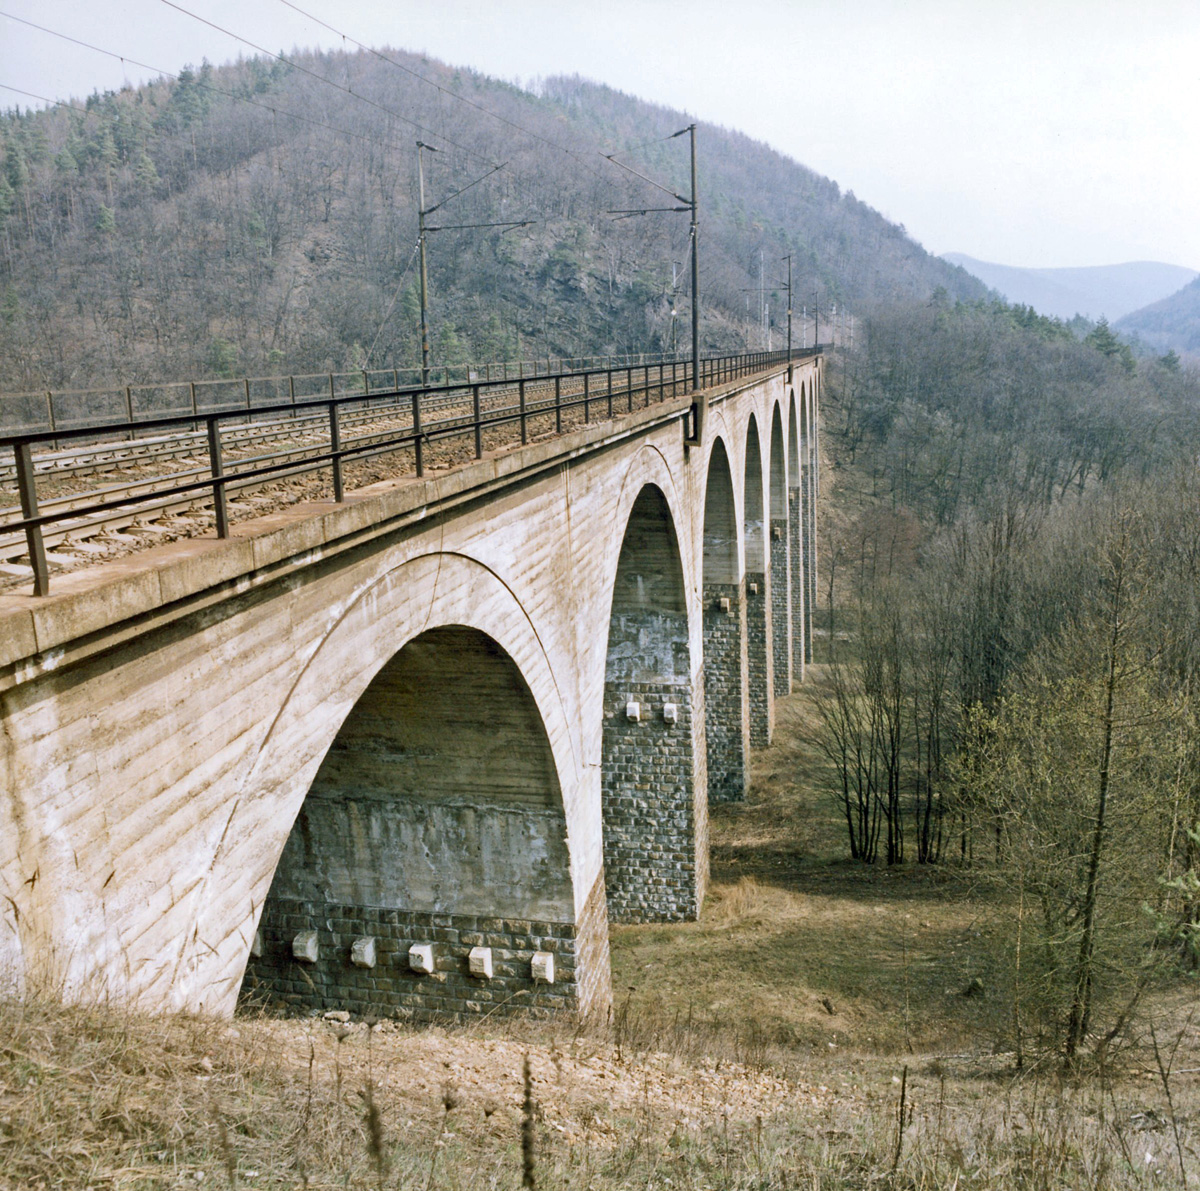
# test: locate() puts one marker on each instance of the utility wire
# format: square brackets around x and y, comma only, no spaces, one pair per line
[357,95]
[321,78]
[388,312]
[124,58]
[62,103]
[440,87]
[175,78]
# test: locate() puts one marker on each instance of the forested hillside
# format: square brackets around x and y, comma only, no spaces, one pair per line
[1015,661]
[1172,324]
[261,217]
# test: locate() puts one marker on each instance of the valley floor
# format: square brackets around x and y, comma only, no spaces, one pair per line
[822,1026]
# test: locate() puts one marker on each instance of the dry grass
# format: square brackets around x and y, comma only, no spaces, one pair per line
[810,949]
[91,1098]
[765,1047]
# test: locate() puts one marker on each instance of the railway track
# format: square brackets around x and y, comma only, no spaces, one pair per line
[112,455]
[139,470]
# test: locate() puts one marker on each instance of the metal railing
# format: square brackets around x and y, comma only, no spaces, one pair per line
[596,392]
[71,409]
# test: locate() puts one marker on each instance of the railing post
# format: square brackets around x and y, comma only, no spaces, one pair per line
[521,397]
[50,409]
[629,388]
[558,405]
[478,427]
[335,445]
[587,376]
[217,471]
[610,409]
[292,393]
[246,382]
[416,421]
[29,509]
[129,409]
[192,386]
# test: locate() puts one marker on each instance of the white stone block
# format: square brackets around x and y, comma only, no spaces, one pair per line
[362,952]
[543,967]
[480,962]
[420,957]
[304,947]
[256,947]
[724,603]
[777,532]
[671,713]
[633,711]
[752,588]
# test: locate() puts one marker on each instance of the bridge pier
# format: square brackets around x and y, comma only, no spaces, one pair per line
[795,573]
[727,726]
[653,763]
[777,561]
[723,599]
[781,598]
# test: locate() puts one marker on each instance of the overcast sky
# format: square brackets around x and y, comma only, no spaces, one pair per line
[1028,132]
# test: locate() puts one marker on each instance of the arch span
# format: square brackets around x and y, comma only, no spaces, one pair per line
[468,605]
[653,787]
[760,668]
[726,709]
[808,496]
[795,538]
[780,550]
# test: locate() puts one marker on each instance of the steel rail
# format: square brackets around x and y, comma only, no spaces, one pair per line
[541,398]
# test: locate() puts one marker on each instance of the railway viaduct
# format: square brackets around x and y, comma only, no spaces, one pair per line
[416,750]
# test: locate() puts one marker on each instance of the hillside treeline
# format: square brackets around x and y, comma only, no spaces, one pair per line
[261,217]
[1012,679]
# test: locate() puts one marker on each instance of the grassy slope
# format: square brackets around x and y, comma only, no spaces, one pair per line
[790,924]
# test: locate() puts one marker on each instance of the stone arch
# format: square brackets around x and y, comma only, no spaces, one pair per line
[760,670]
[727,712]
[780,551]
[808,504]
[432,592]
[795,538]
[435,819]
[653,806]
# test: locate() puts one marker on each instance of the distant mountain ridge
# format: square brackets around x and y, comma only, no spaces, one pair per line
[1170,324]
[1109,290]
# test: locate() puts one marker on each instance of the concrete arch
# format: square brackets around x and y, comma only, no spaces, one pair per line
[780,558]
[727,710]
[653,805]
[808,497]
[721,562]
[760,668]
[795,538]
[437,805]
[753,499]
[410,598]
[778,475]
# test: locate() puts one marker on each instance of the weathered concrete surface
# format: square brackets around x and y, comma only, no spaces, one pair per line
[166,716]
